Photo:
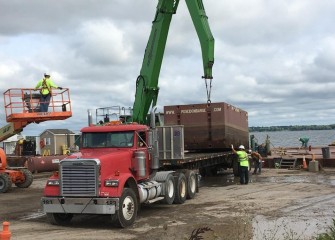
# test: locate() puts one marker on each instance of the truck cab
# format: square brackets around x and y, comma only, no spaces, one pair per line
[116,146]
[115,171]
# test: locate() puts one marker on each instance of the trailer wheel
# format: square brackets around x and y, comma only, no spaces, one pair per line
[191,184]
[128,207]
[180,188]
[62,219]
[169,194]
[28,179]
[5,183]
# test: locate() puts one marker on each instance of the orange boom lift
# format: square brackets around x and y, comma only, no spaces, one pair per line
[22,107]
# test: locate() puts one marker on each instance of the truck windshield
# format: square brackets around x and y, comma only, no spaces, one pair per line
[108,139]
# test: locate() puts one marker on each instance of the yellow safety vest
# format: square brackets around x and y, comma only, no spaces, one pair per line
[243,158]
[46,85]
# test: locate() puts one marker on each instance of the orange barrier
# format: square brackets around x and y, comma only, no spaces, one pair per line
[5,234]
[304,164]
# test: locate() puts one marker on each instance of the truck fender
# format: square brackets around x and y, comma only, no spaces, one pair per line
[127,181]
[166,178]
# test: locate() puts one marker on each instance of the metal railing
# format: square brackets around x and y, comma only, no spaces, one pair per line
[23,103]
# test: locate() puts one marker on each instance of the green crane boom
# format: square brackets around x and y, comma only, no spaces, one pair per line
[147,82]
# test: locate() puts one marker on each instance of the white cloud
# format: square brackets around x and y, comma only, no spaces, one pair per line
[101,42]
[7,70]
[274,59]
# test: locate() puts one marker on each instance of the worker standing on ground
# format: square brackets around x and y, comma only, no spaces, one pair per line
[244,163]
[45,85]
[257,159]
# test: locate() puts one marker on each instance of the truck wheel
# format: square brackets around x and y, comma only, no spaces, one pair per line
[169,193]
[62,219]
[5,183]
[191,184]
[128,207]
[180,188]
[28,176]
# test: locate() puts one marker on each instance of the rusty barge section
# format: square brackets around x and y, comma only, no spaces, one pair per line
[209,127]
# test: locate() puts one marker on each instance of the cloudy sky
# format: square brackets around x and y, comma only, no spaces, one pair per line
[274,59]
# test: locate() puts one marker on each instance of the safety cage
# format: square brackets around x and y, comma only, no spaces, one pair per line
[23,104]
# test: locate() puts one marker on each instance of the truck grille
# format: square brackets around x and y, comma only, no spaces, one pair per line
[79,177]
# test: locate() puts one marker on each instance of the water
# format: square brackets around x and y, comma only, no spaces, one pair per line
[317,138]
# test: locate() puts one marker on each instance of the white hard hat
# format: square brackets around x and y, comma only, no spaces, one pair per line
[241,147]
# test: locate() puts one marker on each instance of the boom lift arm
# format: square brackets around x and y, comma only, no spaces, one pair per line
[11,129]
[147,82]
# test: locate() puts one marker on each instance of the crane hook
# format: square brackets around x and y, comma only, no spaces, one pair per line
[208,88]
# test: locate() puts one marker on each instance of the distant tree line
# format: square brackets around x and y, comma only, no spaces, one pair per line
[292,128]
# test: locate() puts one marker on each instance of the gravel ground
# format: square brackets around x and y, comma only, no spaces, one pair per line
[275,205]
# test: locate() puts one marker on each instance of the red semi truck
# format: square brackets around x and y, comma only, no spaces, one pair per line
[122,164]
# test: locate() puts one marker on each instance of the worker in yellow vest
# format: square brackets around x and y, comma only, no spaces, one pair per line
[244,163]
[45,85]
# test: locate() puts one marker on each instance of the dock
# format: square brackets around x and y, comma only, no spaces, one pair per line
[293,157]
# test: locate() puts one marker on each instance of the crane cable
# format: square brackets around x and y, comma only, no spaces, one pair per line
[208,89]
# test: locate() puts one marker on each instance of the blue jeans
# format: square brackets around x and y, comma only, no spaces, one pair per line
[244,175]
[258,165]
[44,102]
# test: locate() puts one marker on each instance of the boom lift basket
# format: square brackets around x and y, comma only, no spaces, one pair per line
[23,104]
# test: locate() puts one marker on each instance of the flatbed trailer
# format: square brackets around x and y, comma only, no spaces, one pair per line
[208,163]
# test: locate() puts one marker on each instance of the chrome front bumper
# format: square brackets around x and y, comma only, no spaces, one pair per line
[80,205]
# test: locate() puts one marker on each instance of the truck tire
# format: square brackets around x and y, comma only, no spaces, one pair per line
[62,219]
[128,207]
[28,176]
[180,188]
[5,183]
[191,179]
[169,194]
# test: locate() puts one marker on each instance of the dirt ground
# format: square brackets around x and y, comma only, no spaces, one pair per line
[275,205]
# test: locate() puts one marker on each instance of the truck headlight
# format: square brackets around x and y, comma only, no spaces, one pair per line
[53,182]
[111,183]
